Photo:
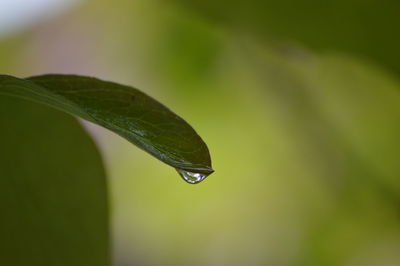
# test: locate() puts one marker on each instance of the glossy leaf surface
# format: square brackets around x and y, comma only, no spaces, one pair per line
[122,109]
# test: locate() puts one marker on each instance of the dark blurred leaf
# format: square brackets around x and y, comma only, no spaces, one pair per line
[53,196]
[365,28]
[122,109]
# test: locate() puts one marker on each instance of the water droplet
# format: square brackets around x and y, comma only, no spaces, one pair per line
[190,177]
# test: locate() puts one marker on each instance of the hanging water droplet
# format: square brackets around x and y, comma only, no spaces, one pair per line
[190,177]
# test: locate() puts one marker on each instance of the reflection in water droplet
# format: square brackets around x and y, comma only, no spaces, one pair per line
[192,178]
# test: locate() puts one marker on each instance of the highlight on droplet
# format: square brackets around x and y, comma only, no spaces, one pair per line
[191,177]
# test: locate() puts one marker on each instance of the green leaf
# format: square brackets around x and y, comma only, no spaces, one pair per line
[122,109]
[53,195]
[357,27]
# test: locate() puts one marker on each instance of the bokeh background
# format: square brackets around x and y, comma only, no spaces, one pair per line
[299,104]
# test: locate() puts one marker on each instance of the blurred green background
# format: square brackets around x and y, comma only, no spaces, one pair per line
[299,103]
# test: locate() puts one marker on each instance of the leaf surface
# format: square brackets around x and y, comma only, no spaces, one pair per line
[124,110]
[53,195]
